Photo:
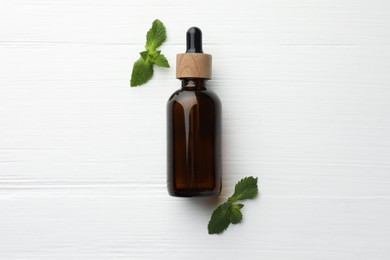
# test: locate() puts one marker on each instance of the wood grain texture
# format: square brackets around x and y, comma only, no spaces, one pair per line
[193,65]
[305,89]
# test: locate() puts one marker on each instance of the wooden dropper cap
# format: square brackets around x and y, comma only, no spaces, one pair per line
[194,63]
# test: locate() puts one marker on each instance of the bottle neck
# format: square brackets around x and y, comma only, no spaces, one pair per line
[193,84]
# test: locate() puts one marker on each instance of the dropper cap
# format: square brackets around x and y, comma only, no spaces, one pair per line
[194,63]
[194,40]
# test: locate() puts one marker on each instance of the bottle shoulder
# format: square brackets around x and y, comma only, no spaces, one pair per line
[205,95]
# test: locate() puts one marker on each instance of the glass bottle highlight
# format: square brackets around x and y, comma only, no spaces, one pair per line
[194,126]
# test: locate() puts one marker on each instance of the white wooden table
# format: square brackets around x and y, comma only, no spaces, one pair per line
[305,88]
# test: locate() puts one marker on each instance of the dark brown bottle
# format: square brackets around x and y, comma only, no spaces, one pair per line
[194,126]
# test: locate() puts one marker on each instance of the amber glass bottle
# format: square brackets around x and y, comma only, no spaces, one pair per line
[194,126]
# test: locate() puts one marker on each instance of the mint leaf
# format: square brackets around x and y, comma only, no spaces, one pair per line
[142,72]
[156,35]
[144,55]
[219,219]
[143,67]
[161,61]
[246,188]
[235,215]
[230,212]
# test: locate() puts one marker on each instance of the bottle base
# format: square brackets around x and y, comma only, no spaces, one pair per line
[194,193]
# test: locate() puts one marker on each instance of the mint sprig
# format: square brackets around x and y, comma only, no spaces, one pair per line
[143,67]
[230,211]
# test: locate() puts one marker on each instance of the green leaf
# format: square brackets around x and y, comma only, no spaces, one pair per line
[235,215]
[161,61]
[219,219]
[144,55]
[230,212]
[156,35]
[142,72]
[246,188]
[143,67]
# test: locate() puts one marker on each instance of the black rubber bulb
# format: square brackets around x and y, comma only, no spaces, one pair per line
[194,40]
